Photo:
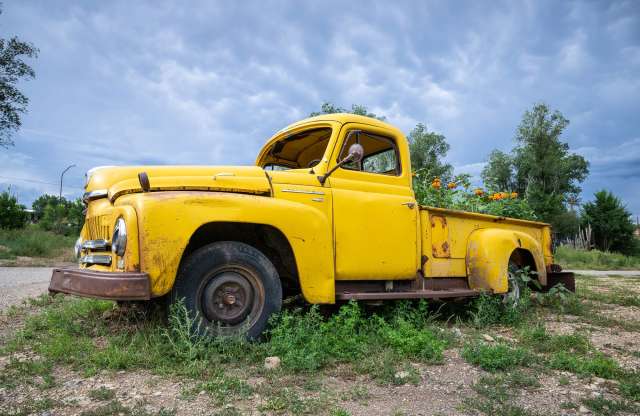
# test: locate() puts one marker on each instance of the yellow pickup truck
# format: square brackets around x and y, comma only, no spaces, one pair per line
[328,211]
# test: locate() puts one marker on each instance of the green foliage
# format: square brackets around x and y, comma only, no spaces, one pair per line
[495,357]
[427,148]
[102,393]
[540,168]
[32,241]
[60,215]
[606,407]
[489,309]
[571,258]
[361,110]
[13,69]
[596,364]
[307,341]
[545,170]
[457,195]
[540,340]
[498,173]
[12,214]
[611,223]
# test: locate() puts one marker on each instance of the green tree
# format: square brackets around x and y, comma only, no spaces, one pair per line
[13,103]
[40,204]
[427,149]
[62,216]
[361,110]
[545,172]
[610,222]
[498,173]
[12,214]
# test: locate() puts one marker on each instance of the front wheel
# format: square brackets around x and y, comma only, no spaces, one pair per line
[229,288]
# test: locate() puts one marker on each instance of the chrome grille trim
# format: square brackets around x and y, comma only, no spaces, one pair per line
[98,227]
[96,259]
[90,196]
[96,245]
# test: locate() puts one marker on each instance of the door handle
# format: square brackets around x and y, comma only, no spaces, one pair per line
[409,204]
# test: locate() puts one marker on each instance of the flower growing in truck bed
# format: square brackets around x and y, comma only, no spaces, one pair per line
[456,195]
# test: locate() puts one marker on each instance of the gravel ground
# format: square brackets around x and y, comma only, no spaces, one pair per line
[624,273]
[18,283]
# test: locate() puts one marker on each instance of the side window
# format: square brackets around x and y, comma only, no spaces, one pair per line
[380,154]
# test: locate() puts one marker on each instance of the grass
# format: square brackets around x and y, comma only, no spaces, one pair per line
[387,344]
[32,241]
[498,357]
[571,258]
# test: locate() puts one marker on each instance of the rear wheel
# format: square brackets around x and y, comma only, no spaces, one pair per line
[231,288]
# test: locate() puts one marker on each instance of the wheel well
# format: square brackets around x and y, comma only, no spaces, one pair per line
[523,258]
[266,238]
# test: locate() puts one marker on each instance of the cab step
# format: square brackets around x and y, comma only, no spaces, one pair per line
[420,288]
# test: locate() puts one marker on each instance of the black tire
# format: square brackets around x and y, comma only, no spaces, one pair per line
[230,287]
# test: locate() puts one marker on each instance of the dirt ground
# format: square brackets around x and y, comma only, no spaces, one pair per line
[442,389]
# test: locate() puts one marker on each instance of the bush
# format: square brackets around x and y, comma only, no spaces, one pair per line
[61,216]
[12,214]
[571,258]
[32,241]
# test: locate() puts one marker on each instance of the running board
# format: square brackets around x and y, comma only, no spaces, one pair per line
[419,288]
[419,294]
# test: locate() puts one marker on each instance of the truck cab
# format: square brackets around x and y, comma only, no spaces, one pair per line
[328,212]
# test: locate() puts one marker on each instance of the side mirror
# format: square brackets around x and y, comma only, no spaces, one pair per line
[356,153]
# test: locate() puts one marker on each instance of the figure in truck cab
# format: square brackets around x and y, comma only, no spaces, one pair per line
[327,212]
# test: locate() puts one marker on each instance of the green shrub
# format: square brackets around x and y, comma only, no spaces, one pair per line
[596,364]
[571,258]
[541,341]
[32,241]
[12,214]
[496,357]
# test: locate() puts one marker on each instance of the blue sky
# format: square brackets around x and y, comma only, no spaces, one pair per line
[170,82]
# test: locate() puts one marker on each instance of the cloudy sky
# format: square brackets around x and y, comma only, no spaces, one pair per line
[171,82]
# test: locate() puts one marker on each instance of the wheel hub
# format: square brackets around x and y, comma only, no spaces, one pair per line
[227,298]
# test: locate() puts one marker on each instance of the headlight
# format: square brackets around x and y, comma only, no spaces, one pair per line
[77,249]
[119,239]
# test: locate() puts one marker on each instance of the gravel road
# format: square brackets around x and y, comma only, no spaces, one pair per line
[625,273]
[18,283]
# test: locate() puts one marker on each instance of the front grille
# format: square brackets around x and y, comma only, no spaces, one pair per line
[98,228]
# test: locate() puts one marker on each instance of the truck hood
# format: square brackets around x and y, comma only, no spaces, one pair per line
[114,181]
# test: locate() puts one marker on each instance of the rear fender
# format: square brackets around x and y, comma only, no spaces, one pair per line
[488,253]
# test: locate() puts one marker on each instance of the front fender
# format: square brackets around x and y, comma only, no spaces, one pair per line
[488,253]
[167,220]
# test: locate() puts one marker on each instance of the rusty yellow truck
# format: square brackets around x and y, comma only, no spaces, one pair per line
[328,212]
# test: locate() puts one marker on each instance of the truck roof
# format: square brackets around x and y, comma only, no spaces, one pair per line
[342,118]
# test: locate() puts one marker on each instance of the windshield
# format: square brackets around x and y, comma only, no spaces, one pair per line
[301,150]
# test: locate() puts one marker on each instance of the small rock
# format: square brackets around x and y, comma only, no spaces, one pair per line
[456,332]
[583,410]
[488,338]
[271,363]
[400,375]
[157,393]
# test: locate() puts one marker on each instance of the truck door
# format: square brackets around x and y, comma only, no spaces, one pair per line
[374,209]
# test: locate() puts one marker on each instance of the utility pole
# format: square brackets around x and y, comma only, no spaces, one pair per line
[61,176]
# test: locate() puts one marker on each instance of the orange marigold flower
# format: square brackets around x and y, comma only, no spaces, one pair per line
[451,185]
[514,195]
[504,195]
[496,197]
[478,192]
[435,185]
